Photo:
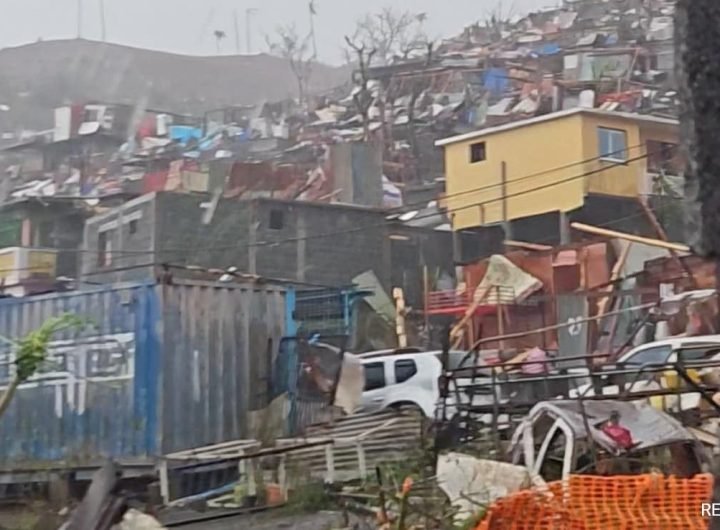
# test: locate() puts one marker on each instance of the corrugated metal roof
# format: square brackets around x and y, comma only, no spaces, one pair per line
[386,436]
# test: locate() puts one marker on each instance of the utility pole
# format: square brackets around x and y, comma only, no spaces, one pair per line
[102,21]
[79,18]
[237,33]
[313,12]
[697,42]
[249,13]
[504,192]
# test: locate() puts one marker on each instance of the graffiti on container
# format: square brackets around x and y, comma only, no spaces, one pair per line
[74,364]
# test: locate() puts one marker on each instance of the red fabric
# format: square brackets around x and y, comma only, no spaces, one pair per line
[147,127]
[155,181]
[620,435]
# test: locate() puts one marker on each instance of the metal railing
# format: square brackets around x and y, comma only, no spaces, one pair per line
[477,393]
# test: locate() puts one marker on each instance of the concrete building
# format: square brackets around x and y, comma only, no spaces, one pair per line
[324,244]
[39,240]
[534,176]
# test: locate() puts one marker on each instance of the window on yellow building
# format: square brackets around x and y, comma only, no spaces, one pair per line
[612,144]
[477,152]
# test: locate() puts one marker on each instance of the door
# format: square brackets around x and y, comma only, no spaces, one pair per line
[376,385]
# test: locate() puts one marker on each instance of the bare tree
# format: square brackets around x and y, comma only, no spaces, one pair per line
[385,36]
[394,34]
[497,18]
[362,96]
[297,51]
[220,35]
[419,85]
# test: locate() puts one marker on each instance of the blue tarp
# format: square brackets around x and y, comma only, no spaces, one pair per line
[496,81]
[184,133]
[548,49]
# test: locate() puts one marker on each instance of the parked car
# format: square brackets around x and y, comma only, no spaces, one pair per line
[639,367]
[405,378]
[667,350]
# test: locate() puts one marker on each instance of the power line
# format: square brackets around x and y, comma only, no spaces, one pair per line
[384,222]
[270,243]
[404,207]
[261,244]
[197,268]
[531,176]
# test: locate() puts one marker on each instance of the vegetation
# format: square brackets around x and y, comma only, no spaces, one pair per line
[310,498]
[30,352]
[297,51]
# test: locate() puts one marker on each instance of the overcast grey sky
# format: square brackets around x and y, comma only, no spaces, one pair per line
[186,26]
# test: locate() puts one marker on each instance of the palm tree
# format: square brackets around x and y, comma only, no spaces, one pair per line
[219,36]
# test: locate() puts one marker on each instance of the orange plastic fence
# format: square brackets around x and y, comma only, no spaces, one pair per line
[639,502]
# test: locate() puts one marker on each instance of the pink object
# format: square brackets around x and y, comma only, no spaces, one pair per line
[536,362]
[620,435]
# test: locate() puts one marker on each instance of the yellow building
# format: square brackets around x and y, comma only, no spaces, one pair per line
[551,163]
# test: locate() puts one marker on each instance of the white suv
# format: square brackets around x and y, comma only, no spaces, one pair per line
[404,378]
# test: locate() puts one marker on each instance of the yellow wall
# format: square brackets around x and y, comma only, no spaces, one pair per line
[535,156]
[625,180]
[611,178]
[548,155]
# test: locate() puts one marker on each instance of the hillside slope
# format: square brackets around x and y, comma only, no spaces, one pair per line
[38,77]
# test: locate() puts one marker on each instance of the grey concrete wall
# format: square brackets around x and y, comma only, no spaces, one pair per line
[183,238]
[357,172]
[356,242]
[130,229]
[299,241]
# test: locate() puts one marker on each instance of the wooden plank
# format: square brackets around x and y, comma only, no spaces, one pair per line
[617,270]
[400,317]
[527,246]
[456,332]
[678,247]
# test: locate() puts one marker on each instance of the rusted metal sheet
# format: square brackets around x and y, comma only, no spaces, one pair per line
[158,369]
[669,271]
[565,270]
[388,436]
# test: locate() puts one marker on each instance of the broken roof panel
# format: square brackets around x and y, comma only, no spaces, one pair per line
[648,426]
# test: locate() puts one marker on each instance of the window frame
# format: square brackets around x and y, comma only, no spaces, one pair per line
[408,362]
[275,215]
[473,158]
[615,154]
[104,247]
[384,384]
[667,349]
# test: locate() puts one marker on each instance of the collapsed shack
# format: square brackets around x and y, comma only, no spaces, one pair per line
[489,396]
[247,473]
[558,438]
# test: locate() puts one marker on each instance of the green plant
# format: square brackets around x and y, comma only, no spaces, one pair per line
[31,352]
[310,498]
[471,522]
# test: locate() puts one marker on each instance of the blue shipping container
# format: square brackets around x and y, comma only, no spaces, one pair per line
[157,369]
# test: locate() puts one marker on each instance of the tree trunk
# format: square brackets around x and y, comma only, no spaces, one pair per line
[8,395]
[697,43]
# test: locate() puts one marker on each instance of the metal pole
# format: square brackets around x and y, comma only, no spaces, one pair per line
[249,12]
[79,18]
[312,28]
[237,33]
[503,182]
[102,21]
